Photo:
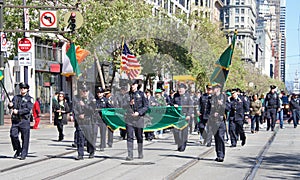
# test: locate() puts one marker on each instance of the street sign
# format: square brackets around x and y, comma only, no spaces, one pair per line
[48,19]
[4,42]
[26,21]
[79,18]
[24,59]
[25,44]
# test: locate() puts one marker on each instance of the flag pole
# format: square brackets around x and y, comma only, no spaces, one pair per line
[99,70]
[5,90]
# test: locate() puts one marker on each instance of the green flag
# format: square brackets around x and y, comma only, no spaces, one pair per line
[156,118]
[221,71]
[1,75]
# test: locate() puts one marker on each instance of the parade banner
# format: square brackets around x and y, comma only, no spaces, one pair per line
[156,118]
[221,71]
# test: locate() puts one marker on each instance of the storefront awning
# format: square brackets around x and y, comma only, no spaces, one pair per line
[184,78]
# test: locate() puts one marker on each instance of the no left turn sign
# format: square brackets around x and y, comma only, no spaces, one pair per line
[48,19]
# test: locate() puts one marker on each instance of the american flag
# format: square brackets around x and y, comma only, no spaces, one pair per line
[129,63]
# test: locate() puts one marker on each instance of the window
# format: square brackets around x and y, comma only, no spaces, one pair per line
[242,19]
[243,11]
[237,2]
[237,19]
[237,11]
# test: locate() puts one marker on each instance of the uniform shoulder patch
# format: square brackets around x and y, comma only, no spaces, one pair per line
[31,100]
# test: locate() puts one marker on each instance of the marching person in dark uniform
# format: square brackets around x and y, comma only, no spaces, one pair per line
[123,102]
[295,108]
[217,121]
[109,104]
[21,106]
[60,114]
[84,109]
[272,105]
[134,120]
[236,108]
[100,104]
[204,112]
[183,99]
[152,102]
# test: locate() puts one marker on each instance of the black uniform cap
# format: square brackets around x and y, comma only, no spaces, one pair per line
[83,88]
[138,82]
[23,85]
[99,90]
[273,87]
[182,86]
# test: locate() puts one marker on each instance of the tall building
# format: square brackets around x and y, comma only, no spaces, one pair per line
[241,15]
[205,8]
[283,40]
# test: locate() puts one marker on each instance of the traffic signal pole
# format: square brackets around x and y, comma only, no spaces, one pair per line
[24,23]
[1,66]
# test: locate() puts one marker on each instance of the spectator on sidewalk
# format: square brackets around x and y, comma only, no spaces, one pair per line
[61,109]
[36,110]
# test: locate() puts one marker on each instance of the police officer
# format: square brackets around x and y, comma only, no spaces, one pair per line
[272,105]
[101,103]
[295,108]
[21,106]
[84,109]
[183,99]
[204,112]
[217,121]
[123,102]
[109,104]
[236,108]
[134,121]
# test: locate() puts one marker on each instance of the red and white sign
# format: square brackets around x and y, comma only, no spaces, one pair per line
[25,45]
[48,19]
[4,42]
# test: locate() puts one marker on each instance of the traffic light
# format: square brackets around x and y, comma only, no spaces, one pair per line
[72,22]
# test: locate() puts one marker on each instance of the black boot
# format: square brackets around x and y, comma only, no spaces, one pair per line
[140,150]
[130,151]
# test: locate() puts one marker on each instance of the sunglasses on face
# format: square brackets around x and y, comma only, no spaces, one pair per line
[61,96]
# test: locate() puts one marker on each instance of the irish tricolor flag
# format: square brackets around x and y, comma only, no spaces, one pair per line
[70,64]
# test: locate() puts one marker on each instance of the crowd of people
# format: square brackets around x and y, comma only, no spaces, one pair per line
[213,114]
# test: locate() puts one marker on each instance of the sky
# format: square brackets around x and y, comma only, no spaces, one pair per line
[292,39]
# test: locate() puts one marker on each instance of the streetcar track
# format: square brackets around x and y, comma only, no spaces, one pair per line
[86,165]
[252,172]
[36,161]
[179,171]
[49,157]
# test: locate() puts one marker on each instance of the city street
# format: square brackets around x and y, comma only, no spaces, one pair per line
[266,155]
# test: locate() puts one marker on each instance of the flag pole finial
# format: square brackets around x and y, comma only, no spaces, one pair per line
[235,31]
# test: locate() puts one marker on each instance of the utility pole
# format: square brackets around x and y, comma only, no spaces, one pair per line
[1,65]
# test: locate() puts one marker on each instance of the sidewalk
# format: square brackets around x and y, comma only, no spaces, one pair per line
[45,120]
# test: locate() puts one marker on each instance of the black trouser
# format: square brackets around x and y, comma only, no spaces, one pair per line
[22,127]
[103,129]
[85,133]
[149,135]
[134,127]
[181,137]
[271,118]
[60,129]
[123,133]
[235,129]
[219,140]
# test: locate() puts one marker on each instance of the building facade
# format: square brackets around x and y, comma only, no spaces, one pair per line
[241,15]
